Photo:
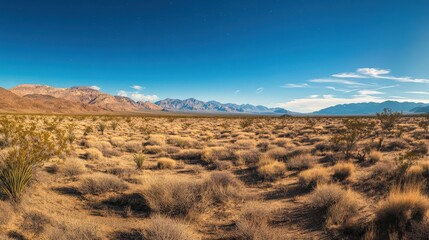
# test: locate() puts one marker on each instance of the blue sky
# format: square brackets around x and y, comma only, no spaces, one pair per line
[301,55]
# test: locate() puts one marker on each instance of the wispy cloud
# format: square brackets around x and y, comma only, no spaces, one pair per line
[237,91]
[122,93]
[369,92]
[339,81]
[137,87]
[379,74]
[418,92]
[341,90]
[293,85]
[259,90]
[95,88]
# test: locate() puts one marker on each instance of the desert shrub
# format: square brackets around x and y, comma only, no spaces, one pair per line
[6,213]
[166,163]
[98,183]
[139,159]
[92,154]
[114,125]
[346,138]
[302,161]
[69,229]
[35,222]
[153,149]
[183,142]
[388,119]
[117,141]
[72,167]
[134,146]
[245,144]
[173,197]
[311,177]
[263,146]
[189,154]
[375,156]
[248,157]
[420,149]
[395,144]
[277,153]
[162,228]
[253,223]
[212,154]
[221,187]
[221,165]
[343,171]
[404,205]
[270,169]
[158,140]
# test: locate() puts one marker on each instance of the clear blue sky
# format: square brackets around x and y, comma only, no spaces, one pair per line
[302,55]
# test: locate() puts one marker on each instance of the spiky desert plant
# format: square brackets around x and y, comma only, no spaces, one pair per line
[15,174]
[101,127]
[114,125]
[139,160]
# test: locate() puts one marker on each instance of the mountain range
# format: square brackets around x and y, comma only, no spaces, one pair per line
[33,98]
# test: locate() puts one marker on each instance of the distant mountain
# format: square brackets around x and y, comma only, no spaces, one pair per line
[424,109]
[192,104]
[370,108]
[88,98]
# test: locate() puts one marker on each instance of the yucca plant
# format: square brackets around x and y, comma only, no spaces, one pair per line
[16,171]
[139,160]
[101,128]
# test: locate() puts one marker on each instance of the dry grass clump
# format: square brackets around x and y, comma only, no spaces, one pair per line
[134,146]
[72,167]
[35,222]
[183,142]
[68,229]
[248,157]
[395,144]
[343,171]
[6,213]
[221,187]
[117,141]
[212,154]
[340,206]
[166,163]
[253,223]
[245,143]
[155,149]
[270,169]
[163,228]
[92,154]
[156,139]
[301,161]
[189,154]
[277,153]
[98,183]
[311,177]
[404,205]
[375,156]
[173,197]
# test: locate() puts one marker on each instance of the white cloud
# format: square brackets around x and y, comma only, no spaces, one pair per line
[339,81]
[142,97]
[137,87]
[95,88]
[379,74]
[293,85]
[369,92]
[418,92]
[259,90]
[122,93]
[348,75]
[372,71]
[313,96]
[340,90]
[236,91]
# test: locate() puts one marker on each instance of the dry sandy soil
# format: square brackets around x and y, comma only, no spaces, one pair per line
[223,178]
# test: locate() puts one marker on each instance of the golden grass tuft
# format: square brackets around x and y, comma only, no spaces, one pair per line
[311,177]
[270,169]
[166,163]
[98,183]
[343,171]
[301,161]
